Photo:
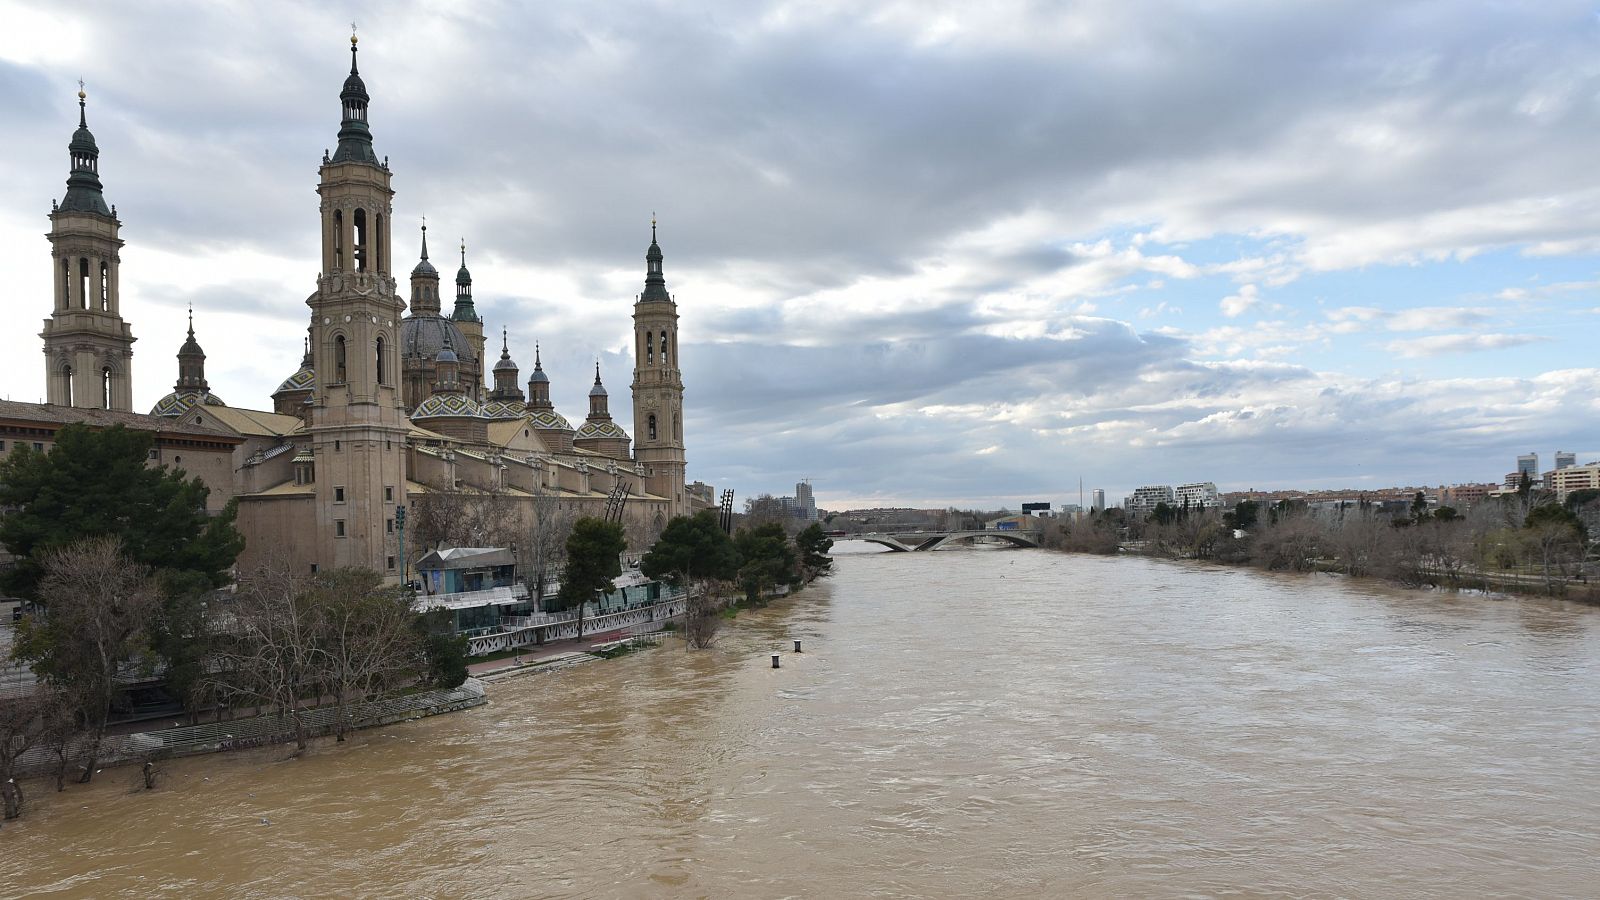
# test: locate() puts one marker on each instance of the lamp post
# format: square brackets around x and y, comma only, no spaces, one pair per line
[400,526]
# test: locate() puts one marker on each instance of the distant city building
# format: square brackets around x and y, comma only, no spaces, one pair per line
[1099,504]
[1201,495]
[1143,500]
[805,504]
[1029,509]
[1528,463]
[1463,496]
[1566,459]
[1565,480]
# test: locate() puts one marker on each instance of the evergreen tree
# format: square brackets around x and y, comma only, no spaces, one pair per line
[594,558]
[767,559]
[814,545]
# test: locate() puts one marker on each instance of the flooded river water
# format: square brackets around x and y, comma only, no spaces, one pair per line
[1001,723]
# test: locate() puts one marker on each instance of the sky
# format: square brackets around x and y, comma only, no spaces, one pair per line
[925,254]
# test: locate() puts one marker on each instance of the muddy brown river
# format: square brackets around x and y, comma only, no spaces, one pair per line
[973,723]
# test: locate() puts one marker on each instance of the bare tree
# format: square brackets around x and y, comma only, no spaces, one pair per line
[364,636]
[268,651]
[24,723]
[544,542]
[98,608]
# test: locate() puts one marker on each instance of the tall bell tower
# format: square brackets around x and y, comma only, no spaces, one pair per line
[358,424]
[88,348]
[658,385]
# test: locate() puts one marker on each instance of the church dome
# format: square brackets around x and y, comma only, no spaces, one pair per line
[504,409]
[423,337]
[303,380]
[548,420]
[601,430]
[179,402]
[448,406]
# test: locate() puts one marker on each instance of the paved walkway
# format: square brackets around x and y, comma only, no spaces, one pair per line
[537,655]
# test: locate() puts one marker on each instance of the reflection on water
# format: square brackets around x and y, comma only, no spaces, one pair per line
[1012,723]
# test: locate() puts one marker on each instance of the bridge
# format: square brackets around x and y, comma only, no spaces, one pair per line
[908,541]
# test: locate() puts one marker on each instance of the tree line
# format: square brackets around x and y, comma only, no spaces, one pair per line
[1524,540]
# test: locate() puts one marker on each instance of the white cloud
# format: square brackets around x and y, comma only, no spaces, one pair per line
[1236,305]
[1441,344]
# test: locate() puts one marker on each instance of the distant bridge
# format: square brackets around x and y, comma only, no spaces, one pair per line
[908,541]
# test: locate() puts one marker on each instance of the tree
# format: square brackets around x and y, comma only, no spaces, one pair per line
[544,541]
[96,482]
[764,509]
[26,721]
[1243,517]
[767,559]
[814,545]
[594,558]
[267,653]
[693,554]
[444,651]
[364,636]
[98,606]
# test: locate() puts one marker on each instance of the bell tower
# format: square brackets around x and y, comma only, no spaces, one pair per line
[658,385]
[358,425]
[88,348]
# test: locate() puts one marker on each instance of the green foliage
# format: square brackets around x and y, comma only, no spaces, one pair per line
[594,551]
[1446,514]
[1164,513]
[1244,516]
[814,545]
[692,548]
[1550,514]
[1581,498]
[767,559]
[444,651]
[96,482]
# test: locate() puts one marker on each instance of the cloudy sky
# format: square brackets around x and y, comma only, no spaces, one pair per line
[925,253]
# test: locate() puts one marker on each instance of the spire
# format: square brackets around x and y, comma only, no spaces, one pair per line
[83,184]
[655,283]
[464,312]
[355,138]
[598,400]
[424,268]
[191,362]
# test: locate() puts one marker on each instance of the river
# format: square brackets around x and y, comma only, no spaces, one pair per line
[996,723]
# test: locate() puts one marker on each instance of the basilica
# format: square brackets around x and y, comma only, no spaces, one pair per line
[392,401]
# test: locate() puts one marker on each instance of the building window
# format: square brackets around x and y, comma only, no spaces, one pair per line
[652,426]
[338,248]
[381,379]
[338,360]
[177,460]
[338,528]
[388,445]
[336,446]
[39,446]
[359,243]
[663,348]
[105,288]
[105,388]
[313,568]
[153,453]
[390,561]
[338,495]
[83,282]
[649,350]
[66,284]
[2,445]
[388,526]
[388,493]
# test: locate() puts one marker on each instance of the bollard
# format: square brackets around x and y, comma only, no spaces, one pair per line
[797,645]
[774,660]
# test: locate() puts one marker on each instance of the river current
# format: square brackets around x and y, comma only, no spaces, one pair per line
[994,723]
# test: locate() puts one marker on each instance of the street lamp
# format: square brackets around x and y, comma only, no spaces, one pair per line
[400,525]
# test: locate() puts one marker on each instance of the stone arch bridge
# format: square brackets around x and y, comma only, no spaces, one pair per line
[909,541]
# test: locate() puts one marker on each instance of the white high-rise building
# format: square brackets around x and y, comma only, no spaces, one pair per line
[1099,505]
[1566,459]
[1144,499]
[1200,495]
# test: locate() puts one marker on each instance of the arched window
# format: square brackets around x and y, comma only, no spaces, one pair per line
[66,378]
[380,362]
[83,282]
[377,244]
[649,350]
[359,241]
[338,239]
[105,388]
[66,284]
[663,348]
[652,426]
[338,360]
[105,287]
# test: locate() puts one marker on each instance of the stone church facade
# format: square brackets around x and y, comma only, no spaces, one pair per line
[393,401]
